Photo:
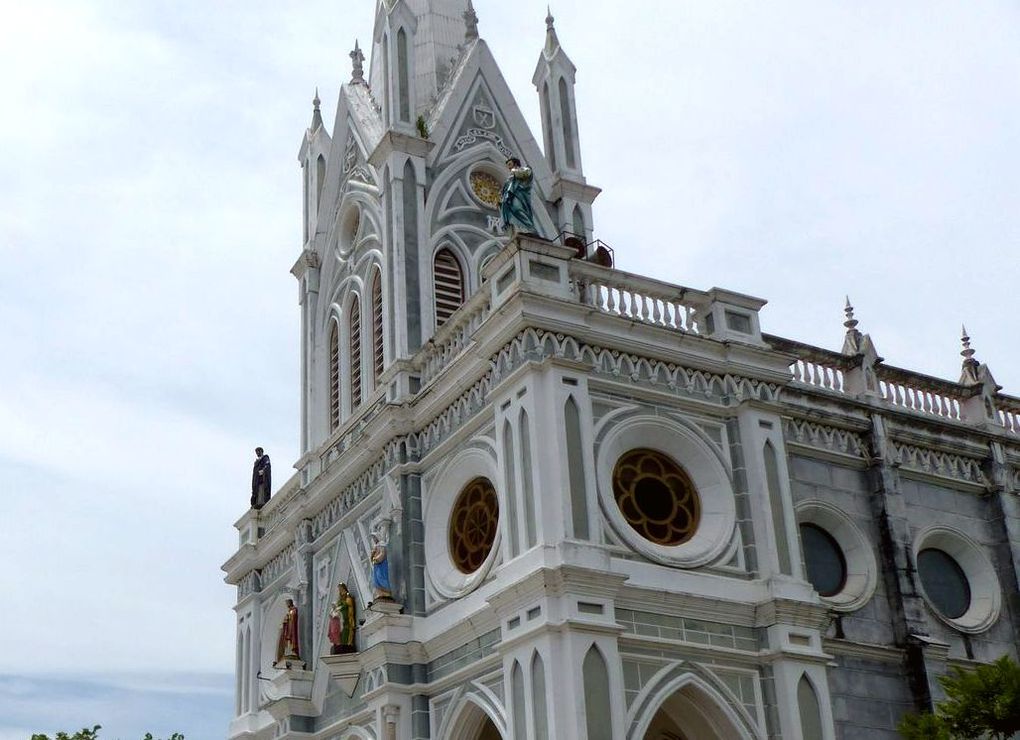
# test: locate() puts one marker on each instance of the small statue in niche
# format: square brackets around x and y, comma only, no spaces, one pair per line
[261,479]
[381,588]
[342,624]
[287,648]
[515,199]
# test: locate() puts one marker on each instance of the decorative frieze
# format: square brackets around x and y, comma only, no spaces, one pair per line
[275,567]
[826,438]
[940,464]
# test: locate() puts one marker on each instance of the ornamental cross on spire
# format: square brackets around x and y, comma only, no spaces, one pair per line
[471,22]
[357,65]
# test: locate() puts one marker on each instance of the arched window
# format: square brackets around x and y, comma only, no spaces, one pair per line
[377,328]
[526,487]
[334,376]
[776,504]
[597,699]
[517,700]
[320,177]
[810,711]
[538,698]
[575,467]
[355,355]
[449,282]
[550,142]
[578,222]
[568,124]
[403,76]
[511,493]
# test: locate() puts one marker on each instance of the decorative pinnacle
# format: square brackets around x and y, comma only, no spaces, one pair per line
[471,21]
[851,322]
[316,115]
[853,343]
[967,353]
[357,65]
[551,42]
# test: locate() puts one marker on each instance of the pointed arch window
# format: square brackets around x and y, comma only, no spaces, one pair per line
[550,143]
[377,327]
[334,376]
[449,285]
[568,124]
[320,177]
[355,355]
[597,699]
[403,76]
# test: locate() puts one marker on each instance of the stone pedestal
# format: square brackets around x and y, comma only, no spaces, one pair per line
[344,669]
[290,693]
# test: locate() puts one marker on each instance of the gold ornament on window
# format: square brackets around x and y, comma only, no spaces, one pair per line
[473,525]
[486,188]
[656,497]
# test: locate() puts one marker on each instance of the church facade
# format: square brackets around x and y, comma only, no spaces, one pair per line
[573,502]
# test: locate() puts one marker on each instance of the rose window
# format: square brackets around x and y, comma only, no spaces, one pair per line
[656,497]
[486,188]
[473,525]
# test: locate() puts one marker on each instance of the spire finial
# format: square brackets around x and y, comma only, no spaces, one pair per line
[316,115]
[551,42]
[967,353]
[970,373]
[357,65]
[471,22]
[853,342]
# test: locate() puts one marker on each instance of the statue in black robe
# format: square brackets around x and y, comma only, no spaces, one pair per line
[261,479]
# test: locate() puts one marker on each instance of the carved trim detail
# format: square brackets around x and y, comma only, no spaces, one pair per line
[941,464]
[830,439]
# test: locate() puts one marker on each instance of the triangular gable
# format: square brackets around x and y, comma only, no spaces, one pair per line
[478,90]
[356,131]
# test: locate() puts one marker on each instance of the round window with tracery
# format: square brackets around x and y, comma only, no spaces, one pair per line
[656,497]
[486,187]
[473,524]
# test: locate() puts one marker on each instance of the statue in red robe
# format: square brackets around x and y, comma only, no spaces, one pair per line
[287,648]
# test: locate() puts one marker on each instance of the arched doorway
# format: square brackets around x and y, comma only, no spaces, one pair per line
[488,731]
[471,722]
[687,708]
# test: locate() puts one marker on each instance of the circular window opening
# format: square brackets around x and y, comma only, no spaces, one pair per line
[944,582]
[486,187]
[826,565]
[473,524]
[656,497]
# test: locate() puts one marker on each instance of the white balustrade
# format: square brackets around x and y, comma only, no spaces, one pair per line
[636,298]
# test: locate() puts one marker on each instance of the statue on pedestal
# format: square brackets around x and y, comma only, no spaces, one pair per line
[261,479]
[381,588]
[287,648]
[342,624]
[515,199]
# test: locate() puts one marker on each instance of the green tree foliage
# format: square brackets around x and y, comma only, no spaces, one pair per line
[980,703]
[93,734]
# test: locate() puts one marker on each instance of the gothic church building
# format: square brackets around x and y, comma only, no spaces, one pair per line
[608,507]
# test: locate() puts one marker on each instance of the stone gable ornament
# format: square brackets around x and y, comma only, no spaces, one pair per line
[484,116]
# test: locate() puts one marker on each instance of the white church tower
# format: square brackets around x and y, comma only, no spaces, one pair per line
[573,502]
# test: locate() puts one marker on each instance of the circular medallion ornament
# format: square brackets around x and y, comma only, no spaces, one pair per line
[486,188]
[473,524]
[656,497]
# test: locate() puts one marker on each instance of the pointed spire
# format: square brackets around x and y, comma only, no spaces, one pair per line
[853,342]
[551,41]
[357,65]
[316,115]
[969,372]
[471,22]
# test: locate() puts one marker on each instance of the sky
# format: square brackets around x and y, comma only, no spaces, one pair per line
[150,212]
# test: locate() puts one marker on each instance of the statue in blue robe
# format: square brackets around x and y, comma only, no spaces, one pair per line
[261,479]
[515,199]
[381,588]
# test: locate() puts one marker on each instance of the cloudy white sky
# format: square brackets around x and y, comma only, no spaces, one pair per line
[149,213]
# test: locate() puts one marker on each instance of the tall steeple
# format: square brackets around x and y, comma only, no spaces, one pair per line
[554,79]
[416,43]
